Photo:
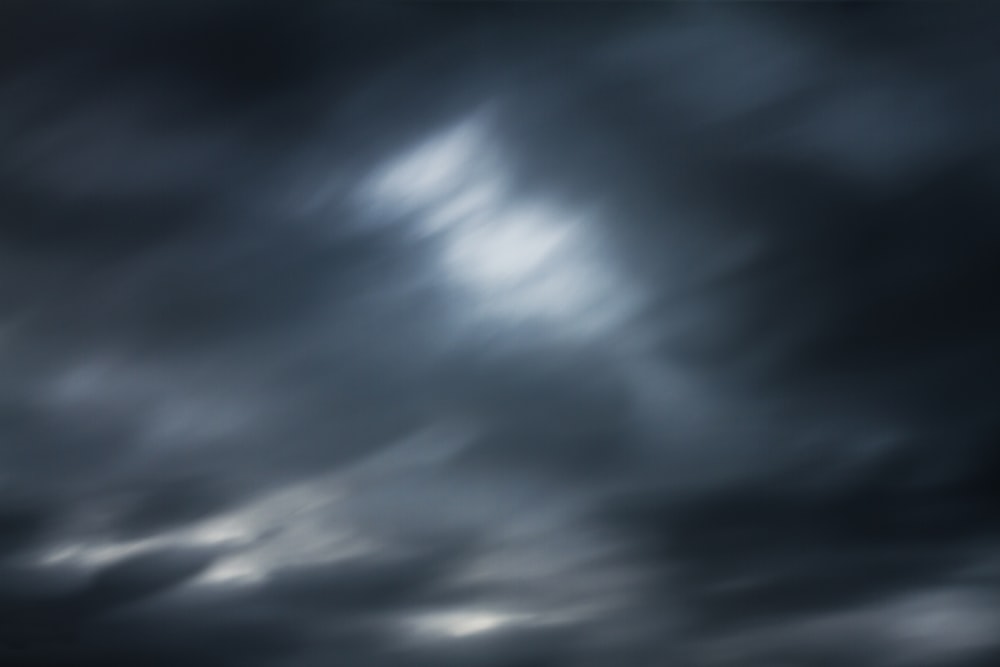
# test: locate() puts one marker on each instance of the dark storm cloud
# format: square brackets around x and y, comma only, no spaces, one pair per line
[676,351]
[20,526]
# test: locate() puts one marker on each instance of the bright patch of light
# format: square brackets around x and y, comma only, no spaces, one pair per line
[515,247]
[516,260]
[433,169]
[234,570]
[459,624]
[297,525]
[94,554]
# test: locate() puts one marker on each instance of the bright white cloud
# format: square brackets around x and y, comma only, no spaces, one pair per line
[296,525]
[514,260]
[456,624]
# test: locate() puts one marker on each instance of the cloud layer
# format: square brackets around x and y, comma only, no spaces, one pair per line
[498,335]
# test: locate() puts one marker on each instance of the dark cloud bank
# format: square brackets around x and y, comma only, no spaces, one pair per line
[499,335]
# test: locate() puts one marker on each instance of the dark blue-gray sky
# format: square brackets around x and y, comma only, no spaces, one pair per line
[499,335]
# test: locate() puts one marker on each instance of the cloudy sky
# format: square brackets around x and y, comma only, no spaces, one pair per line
[499,335]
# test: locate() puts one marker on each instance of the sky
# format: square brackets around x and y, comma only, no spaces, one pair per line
[499,334]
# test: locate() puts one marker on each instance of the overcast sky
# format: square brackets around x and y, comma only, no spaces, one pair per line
[499,335]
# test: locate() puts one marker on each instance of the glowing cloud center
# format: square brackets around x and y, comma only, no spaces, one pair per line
[516,260]
[465,623]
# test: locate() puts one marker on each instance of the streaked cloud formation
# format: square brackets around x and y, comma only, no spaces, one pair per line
[498,335]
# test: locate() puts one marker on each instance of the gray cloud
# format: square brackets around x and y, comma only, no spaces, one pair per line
[504,336]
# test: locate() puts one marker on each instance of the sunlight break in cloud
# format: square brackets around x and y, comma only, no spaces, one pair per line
[517,260]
